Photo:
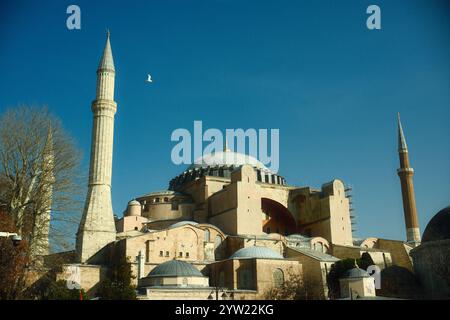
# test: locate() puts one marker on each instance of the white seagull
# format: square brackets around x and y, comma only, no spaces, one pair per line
[149,78]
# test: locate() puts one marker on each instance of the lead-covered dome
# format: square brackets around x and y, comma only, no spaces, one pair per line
[356,273]
[221,164]
[134,203]
[256,252]
[175,268]
[227,158]
[439,227]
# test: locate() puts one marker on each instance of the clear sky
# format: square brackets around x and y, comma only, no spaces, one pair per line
[309,68]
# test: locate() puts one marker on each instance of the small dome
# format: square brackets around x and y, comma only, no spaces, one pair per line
[439,227]
[356,273]
[256,252]
[183,223]
[134,203]
[175,268]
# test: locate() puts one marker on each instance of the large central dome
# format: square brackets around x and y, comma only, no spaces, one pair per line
[227,158]
[221,164]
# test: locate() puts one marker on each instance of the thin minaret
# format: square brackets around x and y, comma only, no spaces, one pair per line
[97,227]
[41,229]
[405,172]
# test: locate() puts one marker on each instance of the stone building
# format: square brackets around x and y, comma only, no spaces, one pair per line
[226,224]
[432,257]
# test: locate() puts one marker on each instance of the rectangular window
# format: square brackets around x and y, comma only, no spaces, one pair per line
[187,254]
[147,251]
[174,206]
[167,253]
[160,253]
[180,254]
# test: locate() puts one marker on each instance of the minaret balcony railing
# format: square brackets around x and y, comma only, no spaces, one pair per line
[407,170]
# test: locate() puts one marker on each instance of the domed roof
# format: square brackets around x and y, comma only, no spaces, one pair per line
[439,227]
[183,223]
[256,252]
[175,268]
[356,273]
[227,158]
[134,203]
[222,164]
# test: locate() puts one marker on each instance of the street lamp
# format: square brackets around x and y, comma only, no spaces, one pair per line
[14,237]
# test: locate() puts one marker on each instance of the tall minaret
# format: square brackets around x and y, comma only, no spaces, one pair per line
[97,227]
[405,172]
[41,229]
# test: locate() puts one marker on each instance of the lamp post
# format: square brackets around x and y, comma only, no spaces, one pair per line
[14,237]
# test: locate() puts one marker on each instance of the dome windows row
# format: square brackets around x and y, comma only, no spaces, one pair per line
[264,176]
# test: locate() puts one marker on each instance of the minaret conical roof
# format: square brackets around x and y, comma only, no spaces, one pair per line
[107,61]
[401,137]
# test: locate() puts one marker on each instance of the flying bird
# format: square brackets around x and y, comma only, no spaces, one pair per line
[149,79]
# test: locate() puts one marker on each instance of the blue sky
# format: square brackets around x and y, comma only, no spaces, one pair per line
[309,68]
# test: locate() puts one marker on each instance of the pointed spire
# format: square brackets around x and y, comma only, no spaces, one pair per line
[48,153]
[48,147]
[401,137]
[107,61]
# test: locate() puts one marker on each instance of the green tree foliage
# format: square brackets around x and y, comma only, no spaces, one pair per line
[118,285]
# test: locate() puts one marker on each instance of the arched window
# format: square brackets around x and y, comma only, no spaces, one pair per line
[318,246]
[166,199]
[278,278]
[207,235]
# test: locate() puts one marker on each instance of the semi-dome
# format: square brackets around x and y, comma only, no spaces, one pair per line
[256,252]
[439,227]
[175,268]
[183,223]
[356,273]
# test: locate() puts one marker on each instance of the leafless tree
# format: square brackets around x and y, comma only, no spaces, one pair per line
[39,177]
[296,287]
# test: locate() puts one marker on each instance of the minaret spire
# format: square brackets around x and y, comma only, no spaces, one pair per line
[401,136]
[97,227]
[41,229]
[405,172]
[107,61]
